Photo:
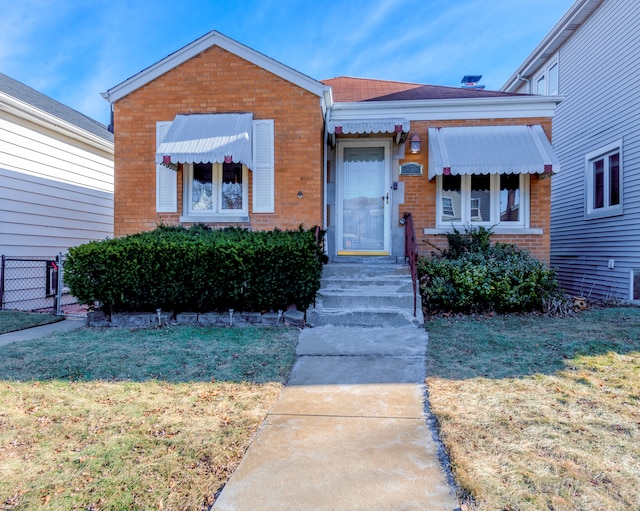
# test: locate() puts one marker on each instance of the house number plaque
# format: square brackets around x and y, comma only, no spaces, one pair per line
[411,169]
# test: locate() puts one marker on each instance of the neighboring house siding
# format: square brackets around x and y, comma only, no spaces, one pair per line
[216,81]
[420,193]
[55,192]
[597,67]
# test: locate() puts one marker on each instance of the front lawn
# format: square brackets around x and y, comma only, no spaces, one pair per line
[10,321]
[119,419]
[537,412]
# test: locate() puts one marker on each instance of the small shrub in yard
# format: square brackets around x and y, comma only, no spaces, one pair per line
[471,275]
[198,269]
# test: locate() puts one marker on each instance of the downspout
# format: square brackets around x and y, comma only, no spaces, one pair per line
[525,80]
[327,101]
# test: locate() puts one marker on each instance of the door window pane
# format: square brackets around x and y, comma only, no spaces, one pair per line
[363,199]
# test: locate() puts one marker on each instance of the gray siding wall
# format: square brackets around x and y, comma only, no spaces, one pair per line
[56,191]
[42,217]
[598,67]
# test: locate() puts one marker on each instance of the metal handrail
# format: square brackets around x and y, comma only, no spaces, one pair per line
[411,255]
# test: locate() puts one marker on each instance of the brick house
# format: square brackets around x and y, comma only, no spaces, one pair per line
[221,134]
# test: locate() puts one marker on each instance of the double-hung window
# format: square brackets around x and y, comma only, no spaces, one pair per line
[215,188]
[485,199]
[546,83]
[603,171]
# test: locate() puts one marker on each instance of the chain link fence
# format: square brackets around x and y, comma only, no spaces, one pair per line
[36,284]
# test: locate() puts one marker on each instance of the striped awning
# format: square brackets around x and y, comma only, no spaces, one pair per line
[360,126]
[490,150]
[207,138]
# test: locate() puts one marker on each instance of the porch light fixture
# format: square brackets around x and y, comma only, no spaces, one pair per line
[415,144]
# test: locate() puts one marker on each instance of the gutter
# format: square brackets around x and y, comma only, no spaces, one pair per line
[25,111]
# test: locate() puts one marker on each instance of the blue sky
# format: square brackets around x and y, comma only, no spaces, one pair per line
[72,50]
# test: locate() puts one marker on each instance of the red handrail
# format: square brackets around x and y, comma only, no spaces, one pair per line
[411,255]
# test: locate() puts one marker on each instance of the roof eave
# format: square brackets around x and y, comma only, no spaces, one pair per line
[205,42]
[30,113]
[577,14]
[456,108]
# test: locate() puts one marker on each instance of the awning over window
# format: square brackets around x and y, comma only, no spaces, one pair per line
[368,126]
[490,150]
[207,138]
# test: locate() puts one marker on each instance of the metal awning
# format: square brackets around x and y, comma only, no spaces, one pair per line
[207,138]
[490,150]
[399,127]
[361,126]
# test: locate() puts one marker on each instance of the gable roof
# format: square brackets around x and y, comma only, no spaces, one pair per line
[347,89]
[573,19]
[205,42]
[25,96]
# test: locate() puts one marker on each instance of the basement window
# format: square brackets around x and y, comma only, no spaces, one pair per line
[635,284]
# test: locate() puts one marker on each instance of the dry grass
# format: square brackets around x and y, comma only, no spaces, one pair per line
[92,444]
[539,413]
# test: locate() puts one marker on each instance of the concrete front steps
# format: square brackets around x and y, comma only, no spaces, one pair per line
[366,295]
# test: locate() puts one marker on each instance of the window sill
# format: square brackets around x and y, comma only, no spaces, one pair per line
[228,219]
[496,230]
[603,213]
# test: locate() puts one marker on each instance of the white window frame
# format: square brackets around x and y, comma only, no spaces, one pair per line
[217,214]
[549,88]
[607,210]
[632,274]
[465,204]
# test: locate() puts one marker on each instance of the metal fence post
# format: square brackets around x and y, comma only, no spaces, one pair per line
[2,284]
[59,285]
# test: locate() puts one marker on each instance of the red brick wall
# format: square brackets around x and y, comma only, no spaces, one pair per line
[218,81]
[420,193]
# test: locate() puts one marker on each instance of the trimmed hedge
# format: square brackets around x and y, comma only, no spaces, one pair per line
[198,269]
[474,276]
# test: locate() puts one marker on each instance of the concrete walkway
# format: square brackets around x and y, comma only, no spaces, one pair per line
[348,432]
[38,332]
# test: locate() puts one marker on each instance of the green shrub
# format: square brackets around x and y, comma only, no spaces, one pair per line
[198,269]
[471,275]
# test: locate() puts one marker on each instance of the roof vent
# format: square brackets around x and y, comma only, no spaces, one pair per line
[471,82]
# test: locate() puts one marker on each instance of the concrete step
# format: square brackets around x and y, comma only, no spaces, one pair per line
[364,272]
[359,298]
[363,317]
[365,295]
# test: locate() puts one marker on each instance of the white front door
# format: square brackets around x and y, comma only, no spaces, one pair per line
[364,211]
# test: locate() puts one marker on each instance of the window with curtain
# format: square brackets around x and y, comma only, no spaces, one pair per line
[214,188]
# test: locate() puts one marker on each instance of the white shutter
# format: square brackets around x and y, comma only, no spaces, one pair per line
[263,166]
[166,178]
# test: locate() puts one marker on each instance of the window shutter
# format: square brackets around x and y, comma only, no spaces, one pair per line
[263,166]
[166,178]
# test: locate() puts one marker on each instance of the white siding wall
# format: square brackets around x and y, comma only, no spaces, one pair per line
[597,71]
[55,192]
